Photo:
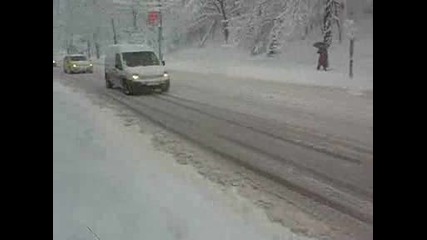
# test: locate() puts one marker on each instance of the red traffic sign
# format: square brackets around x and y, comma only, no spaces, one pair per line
[153,17]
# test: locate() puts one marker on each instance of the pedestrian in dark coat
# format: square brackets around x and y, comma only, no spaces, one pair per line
[323,58]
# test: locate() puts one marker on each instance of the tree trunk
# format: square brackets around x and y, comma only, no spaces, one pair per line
[88,49]
[134,18]
[226,32]
[327,23]
[351,57]
[339,31]
[95,40]
[209,32]
[305,34]
[70,44]
[338,13]
[327,32]
[214,30]
[114,31]
[225,21]
[273,46]
[97,50]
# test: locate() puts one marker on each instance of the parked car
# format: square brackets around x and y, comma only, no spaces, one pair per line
[77,63]
[132,67]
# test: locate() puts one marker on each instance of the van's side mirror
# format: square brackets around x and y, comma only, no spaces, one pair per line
[118,66]
[163,62]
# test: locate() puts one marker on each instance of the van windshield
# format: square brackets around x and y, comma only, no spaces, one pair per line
[78,58]
[135,59]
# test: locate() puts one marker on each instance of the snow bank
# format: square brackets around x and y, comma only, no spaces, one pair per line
[296,64]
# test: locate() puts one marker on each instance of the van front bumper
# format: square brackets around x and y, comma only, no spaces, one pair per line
[157,82]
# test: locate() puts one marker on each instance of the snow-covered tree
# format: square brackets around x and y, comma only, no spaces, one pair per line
[266,25]
[327,23]
[84,20]
[213,13]
[260,26]
[333,14]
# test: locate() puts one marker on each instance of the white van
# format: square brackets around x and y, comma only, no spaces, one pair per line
[134,66]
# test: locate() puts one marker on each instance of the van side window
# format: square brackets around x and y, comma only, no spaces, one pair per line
[118,63]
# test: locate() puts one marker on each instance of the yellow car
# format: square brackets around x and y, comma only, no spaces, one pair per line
[77,63]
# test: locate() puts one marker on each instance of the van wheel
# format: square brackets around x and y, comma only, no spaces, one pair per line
[126,88]
[108,84]
[165,87]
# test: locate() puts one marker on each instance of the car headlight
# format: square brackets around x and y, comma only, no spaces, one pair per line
[135,77]
[165,75]
[90,65]
[74,65]
[54,61]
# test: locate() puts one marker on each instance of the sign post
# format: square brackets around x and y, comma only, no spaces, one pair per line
[160,32]
[155,18]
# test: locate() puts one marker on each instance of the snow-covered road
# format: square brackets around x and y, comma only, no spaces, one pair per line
[108,177]
[314,142]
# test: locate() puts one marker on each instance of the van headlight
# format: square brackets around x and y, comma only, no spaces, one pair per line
[135,77]
[90,65]
[74,65]
[165,75]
